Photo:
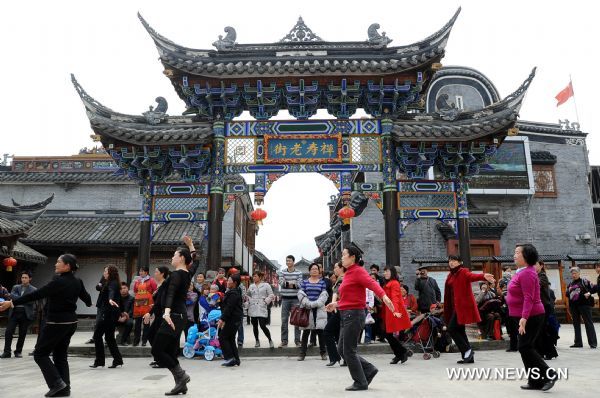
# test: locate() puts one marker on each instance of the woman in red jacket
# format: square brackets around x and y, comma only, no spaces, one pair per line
[397,320]
[352,297]
[460,308]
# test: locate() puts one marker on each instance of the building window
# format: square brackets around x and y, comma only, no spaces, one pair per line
[545,181]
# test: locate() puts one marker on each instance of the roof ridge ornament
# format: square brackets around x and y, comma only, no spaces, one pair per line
[228,42]
[300,33]
[376,39]
[158,115]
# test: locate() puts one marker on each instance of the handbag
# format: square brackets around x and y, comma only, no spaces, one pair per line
[369,320]
[299,316]
[587,300]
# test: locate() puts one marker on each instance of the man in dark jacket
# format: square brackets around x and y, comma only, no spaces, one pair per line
[429,291]
[21,315]
[125,321]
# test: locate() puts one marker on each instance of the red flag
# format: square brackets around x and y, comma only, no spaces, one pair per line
[565,94]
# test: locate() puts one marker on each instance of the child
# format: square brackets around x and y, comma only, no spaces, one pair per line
[203,306]
[214,298]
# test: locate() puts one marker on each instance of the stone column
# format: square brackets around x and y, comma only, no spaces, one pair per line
[390,195]
[464,237]
[145,225]
[215,215]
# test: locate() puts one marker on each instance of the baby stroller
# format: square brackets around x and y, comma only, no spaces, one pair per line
[204,342]
[423,335]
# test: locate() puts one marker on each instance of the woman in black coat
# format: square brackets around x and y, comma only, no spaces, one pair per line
[174,319]
[231,317]
[62,294]
[546,341]
[160,276]
[107,316]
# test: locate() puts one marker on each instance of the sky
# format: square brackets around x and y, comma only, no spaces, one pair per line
[112,56]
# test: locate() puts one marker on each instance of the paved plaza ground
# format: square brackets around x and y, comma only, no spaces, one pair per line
[277,376]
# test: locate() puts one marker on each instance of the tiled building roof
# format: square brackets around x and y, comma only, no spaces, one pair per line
[480,227]
[16,220]
[24,253]
[499,259]
[105,231]
[10,176]
[301,57]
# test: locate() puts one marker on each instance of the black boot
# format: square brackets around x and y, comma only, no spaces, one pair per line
[181,380]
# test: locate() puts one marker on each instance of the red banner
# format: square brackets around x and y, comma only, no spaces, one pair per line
[565,94]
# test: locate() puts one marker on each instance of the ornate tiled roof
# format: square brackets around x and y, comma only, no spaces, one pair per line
[23,252]
[551,128]
[142,130]
[544,257]
[298,56]
[262,258]
[584,257]
[499,259]
[15,221]
[104,231]
[37,177]
[492,120]
[480,227]
[444,260]
[14,227]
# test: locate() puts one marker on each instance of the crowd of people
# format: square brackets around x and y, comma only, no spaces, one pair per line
[338,308]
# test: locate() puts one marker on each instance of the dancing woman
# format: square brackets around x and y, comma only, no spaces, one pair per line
[160,275]
[526,308]
[166,342]
[107,316]
[460,308]
[352,312]
[62,294]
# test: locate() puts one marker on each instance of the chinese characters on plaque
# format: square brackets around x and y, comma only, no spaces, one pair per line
[303,148]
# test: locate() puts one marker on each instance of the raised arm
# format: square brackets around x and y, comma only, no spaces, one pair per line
[43,292]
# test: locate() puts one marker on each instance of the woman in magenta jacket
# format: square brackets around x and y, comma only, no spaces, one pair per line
[460,308]
[525,308]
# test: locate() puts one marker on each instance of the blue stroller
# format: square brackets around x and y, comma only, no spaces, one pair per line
[204,342]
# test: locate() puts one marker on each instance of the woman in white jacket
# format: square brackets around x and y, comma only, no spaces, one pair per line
[260,295]
[313,295]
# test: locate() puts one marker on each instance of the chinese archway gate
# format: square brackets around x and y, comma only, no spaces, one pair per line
[303,73]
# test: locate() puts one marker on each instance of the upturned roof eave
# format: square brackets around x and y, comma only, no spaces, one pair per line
[503,115]
[166,46]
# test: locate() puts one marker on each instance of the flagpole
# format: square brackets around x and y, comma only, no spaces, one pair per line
[574,102]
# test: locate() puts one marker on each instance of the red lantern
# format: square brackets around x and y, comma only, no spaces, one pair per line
[9,263]
[258,215]
[346,213]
